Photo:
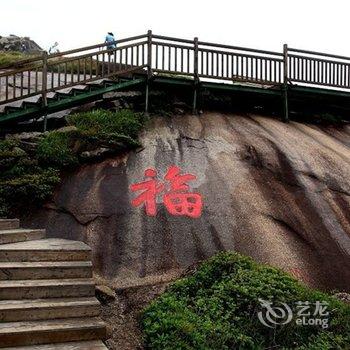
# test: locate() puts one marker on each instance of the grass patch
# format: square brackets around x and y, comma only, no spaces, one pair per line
[101,122]
[56,149]
[28,175]
[57,65]
[10,57]
[13,57]
[217,308]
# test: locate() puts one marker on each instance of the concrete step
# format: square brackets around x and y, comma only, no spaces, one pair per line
[51,331]
[51,249]
[47,309]
[8,224]
[81,345]
[37,289]
[20,235]
[45,270]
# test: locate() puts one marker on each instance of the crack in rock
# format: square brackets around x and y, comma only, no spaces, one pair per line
[71,214]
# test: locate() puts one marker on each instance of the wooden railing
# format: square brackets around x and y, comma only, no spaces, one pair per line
[48,73]
[157,54]
[208,60]
[318,69]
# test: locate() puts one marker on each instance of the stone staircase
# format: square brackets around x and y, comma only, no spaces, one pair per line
[46,293]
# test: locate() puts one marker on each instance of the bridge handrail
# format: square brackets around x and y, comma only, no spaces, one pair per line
[316,53]
[69,52]
[317,59]
[74,58]
[239,48]
[164,54]
[61,70]
[223,46]
[97,46]
[169,38]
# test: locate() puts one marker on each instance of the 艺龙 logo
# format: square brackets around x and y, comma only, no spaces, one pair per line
[274,315]
[281,314]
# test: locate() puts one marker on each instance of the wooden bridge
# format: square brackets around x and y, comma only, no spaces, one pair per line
[49,83]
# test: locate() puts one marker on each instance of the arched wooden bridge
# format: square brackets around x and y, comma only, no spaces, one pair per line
[50,83]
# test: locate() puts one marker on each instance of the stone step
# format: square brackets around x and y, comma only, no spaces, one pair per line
[51,331]
[51,249]
[81,345]
[45,270]
[20,235]
[47,309]
[8,224]
[37,289]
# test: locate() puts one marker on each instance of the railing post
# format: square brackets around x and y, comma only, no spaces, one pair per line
[285,83]
[149,68]
[44,88]
[196,77]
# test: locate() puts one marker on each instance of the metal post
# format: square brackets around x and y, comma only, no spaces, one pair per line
[195,73]
[147,93]
[149,68]
[285,83]
[44,88]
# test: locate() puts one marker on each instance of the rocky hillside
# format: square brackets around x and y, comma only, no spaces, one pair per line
[16,43]
[277,192]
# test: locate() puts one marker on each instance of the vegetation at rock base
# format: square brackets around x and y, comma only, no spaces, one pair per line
[73,66]
[11,57]
[22,179]
[14,58]
[217,307]
[30,169]
[55,149]
[102,122]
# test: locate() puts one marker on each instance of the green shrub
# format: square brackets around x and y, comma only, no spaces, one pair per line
[11,57]
[62,148]
[23,181]
[56,149]
[18,192]
[101,122]
[30,178]
[29,186]
[73,66]
[9,155]
[217,307]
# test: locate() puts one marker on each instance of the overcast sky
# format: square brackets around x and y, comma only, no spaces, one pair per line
[266,24]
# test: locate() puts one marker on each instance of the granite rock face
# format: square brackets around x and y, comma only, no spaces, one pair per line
[16,43]
[277,192]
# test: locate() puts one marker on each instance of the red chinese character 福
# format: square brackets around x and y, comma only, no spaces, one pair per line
[177,199]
